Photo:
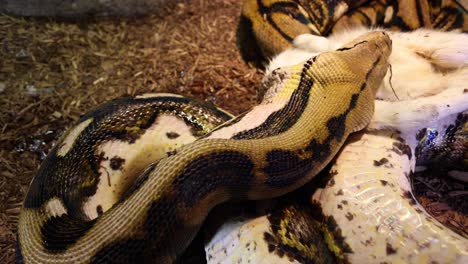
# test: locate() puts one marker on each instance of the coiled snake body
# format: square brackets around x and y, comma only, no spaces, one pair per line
[293,140]
[80,210]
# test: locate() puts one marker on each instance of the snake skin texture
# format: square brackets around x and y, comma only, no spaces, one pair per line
[268,27]
[104,195]
[289,142]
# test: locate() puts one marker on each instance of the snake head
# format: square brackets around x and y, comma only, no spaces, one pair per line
[361,62]
[353,74]
[369,51]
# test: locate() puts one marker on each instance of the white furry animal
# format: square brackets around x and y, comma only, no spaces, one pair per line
[428,78]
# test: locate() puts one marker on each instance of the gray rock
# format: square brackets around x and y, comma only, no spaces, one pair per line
[81,8]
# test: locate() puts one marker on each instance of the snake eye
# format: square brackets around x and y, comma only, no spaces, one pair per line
[431,135]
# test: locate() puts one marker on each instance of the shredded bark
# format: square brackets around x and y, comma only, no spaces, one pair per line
[444,198]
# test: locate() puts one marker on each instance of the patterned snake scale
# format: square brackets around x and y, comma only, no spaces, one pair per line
[267,27]
[367,208]
[275,148]
[93,201]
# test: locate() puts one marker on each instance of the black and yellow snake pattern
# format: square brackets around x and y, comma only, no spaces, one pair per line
[86,206]
[240,160]
[268,27]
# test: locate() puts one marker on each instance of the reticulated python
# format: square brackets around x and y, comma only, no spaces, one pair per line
[78,209]
[267,27]
[369,206]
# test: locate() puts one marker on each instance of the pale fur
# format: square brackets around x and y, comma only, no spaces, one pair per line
[427,81]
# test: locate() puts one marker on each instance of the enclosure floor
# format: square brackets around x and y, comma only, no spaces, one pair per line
[51,72]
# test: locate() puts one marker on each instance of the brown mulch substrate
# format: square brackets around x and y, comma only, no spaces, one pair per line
[440,195]
[53,72]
